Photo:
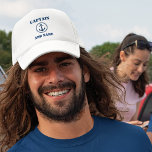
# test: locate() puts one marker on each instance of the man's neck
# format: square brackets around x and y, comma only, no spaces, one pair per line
[67,130]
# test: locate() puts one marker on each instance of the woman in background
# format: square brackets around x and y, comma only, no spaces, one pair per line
[129,64]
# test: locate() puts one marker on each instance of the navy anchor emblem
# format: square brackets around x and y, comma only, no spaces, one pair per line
[41,27]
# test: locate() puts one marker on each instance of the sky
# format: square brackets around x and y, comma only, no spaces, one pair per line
[96,21]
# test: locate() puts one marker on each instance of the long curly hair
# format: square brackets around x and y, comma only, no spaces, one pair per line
[141,83]
[18,116]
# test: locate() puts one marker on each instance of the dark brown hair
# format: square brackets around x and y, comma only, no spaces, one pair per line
[18,116]
[141,83]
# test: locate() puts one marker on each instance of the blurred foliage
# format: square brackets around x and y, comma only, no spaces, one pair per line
[106,49]
[150,69]
[5,49]
[5,59]
[104,52]
[5,41]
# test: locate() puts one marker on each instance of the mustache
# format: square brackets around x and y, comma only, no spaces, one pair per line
[50,87]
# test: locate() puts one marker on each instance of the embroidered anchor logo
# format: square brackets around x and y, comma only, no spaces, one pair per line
[41,27]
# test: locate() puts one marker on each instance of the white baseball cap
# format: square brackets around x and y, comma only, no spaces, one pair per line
[40,32]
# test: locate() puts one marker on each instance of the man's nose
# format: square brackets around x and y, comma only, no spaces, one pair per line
[55,76]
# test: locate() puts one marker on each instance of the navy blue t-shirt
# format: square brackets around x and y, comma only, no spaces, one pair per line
[106,136]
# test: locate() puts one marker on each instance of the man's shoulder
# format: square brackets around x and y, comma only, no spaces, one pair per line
[18,146]
[122,129]
[21,145]
[124,134]
[109,124]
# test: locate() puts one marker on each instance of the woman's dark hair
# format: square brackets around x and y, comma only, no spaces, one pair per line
[128,45]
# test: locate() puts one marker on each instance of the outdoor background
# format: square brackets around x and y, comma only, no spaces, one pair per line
[101,24]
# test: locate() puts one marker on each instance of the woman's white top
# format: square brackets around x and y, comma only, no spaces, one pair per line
[128,109]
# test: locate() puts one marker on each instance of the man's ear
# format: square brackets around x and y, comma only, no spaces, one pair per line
[86,74]
[122,56]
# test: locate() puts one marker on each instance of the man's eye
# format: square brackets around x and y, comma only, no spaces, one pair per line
[40,69]
[65,64]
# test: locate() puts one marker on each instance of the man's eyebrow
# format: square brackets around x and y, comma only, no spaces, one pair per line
[40,63]
[44,63]
[60,59]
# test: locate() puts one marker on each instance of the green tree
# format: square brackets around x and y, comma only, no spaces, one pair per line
[5,59]
[5,49]
[106,49]
[150,69]
[5,41]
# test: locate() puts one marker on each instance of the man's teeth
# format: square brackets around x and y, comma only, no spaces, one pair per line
[58,93]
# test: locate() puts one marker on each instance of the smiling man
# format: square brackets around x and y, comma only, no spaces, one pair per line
[54,90]
[57,86]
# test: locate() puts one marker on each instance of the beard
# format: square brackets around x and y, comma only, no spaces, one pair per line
[61,112]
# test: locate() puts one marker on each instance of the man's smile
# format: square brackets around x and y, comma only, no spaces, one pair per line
[58,93]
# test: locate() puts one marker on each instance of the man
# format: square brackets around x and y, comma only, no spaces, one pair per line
[53,81]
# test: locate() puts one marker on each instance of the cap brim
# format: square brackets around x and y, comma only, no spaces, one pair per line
[47,47]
